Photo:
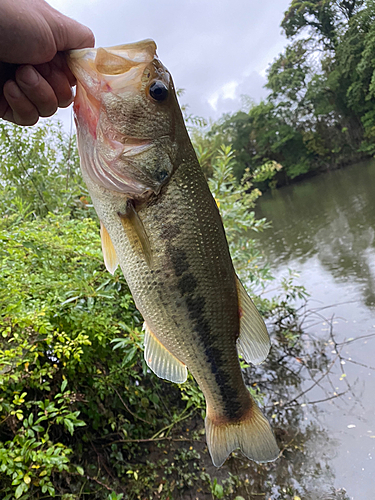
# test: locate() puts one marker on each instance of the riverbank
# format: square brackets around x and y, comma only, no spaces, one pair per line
[281,179]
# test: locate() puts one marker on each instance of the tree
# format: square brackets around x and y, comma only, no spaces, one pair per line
[323,19]
[320,111]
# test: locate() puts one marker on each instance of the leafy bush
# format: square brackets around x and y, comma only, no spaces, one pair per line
[39,169]
[73,380]
[60,311]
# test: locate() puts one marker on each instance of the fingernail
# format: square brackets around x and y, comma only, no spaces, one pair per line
[67,102]
[29,76]
[13,90]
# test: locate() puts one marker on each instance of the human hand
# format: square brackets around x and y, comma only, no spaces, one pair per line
[34,77]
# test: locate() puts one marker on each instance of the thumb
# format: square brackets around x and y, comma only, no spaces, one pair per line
[68,33]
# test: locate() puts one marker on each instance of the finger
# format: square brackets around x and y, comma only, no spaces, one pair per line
[60,61]
[59,82]
[3,106]
[44,31]
[37,90]
[8,116]
[24,111]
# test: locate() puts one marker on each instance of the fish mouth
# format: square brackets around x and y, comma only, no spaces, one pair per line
[117,70]
[112,68]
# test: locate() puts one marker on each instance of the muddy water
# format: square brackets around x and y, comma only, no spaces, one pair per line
[324,228]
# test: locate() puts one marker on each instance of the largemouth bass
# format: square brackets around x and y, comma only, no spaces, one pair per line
[160,223]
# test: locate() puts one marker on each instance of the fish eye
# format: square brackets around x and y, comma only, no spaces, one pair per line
[158,91]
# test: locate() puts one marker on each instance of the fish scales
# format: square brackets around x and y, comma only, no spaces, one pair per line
[194,291]
[160,223]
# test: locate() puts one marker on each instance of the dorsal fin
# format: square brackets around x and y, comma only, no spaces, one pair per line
[109,252]
[161,361]
[253,342]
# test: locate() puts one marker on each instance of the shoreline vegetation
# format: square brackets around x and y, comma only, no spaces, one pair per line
[320,111]
[81,416]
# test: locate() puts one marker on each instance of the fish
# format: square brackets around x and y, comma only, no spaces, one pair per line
[160,223]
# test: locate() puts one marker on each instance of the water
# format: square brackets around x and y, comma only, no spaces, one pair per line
[324,228]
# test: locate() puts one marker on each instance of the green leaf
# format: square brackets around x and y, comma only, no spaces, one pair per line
[38,428]
[218,491]
[51,490]
[80,470]
[69,425]
[20,489]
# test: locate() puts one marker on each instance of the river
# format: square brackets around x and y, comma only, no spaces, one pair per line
[324,228]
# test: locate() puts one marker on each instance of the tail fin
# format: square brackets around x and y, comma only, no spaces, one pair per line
[253,435]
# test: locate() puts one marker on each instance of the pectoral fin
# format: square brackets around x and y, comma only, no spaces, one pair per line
[253,342]
[161,361]
[132,218]
[109,252]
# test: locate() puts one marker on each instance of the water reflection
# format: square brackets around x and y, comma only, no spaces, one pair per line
[304,468]
[330,217]
[324,227]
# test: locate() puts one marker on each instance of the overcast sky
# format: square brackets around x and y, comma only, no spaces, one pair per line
[215,49]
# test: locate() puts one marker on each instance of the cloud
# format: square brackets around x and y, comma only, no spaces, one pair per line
[215,50]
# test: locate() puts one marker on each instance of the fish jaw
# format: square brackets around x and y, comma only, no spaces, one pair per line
[101,71]
[122,152]
[113,68]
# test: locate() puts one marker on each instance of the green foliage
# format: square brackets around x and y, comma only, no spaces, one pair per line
[60,311]
[31,458]
[265,136]
[39,170]
[236,201]
[216,489]
[320,111]
[319,16]
[78,405]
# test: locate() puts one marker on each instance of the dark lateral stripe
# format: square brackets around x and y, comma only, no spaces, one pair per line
[179,260]
[169,231]
[215,357]
[187,285]
[232,404]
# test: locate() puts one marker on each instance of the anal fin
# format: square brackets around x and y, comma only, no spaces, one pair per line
[162,362]
[109,253]
[253,342]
